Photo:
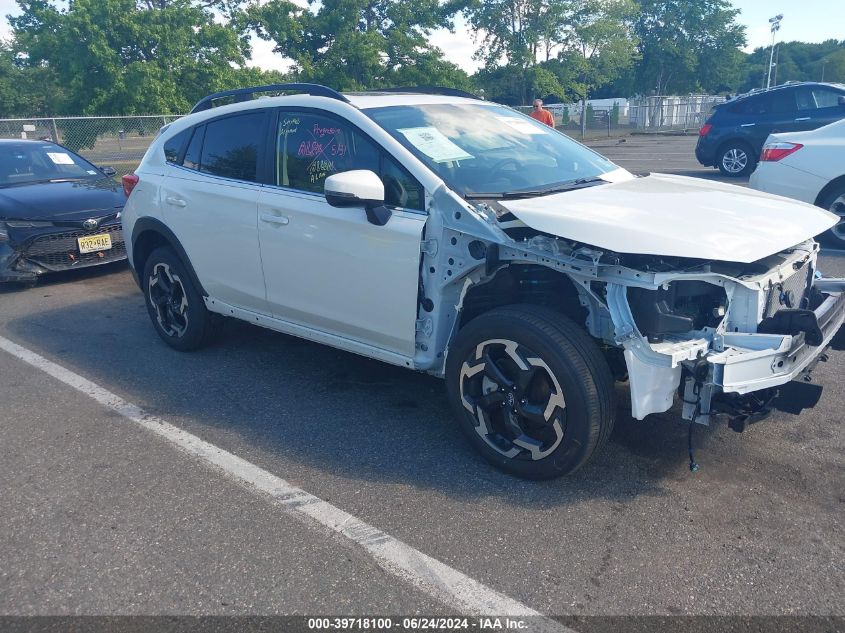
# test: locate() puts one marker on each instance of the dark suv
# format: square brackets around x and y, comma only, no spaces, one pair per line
[733,135]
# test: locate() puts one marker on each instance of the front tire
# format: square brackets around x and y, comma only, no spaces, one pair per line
[174,304]
[531,390]
[736,159]
[835,203]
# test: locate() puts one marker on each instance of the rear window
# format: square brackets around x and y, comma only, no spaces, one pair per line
[231,146]
[751,105]
[173,147]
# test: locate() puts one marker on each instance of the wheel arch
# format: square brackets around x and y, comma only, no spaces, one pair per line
[526,284]
[149,234]
[828,188]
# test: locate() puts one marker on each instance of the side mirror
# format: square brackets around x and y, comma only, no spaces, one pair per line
[108,171]
[359,187]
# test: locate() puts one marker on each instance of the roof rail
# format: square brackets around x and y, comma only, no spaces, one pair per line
[245,94]
[430,90]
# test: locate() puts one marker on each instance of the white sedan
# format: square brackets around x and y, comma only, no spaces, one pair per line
[807,166]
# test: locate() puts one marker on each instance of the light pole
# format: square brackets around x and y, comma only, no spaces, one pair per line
[775,22]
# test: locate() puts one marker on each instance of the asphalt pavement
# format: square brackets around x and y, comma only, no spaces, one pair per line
[102,516]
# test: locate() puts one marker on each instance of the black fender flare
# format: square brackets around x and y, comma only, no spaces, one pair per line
[153,225]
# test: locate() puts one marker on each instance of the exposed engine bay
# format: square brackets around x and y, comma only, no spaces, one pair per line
[709,331]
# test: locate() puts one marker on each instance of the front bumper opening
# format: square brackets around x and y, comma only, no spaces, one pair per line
[752,362]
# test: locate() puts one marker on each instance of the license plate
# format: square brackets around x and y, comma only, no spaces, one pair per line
[94,243]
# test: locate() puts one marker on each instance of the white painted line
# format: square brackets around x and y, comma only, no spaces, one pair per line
[427,574]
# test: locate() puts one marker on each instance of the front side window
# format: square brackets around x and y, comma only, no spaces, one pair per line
[231,147]
[311,146]
[25,163]
[481,149]
[817,98]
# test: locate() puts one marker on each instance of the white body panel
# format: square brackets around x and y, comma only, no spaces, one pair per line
[330,269]
[803,174]
[674,216]
[215,219]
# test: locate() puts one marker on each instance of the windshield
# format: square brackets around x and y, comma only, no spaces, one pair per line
[41,162]
[489,148]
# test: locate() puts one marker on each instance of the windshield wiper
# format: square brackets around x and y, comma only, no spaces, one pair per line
[579,183]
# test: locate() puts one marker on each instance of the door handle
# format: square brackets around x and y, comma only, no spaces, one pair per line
[748,125]
[803,118]
[274,219]
[176,202]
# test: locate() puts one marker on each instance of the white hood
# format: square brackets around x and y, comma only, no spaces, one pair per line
[675,216]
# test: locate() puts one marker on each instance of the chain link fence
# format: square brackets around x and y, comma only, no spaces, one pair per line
[118,142]
[647,114]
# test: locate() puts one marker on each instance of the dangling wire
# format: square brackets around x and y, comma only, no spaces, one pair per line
[693,465]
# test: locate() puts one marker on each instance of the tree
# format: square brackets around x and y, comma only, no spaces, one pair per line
[128,57]
[25,91]
[796,61]
[688,45]
[515,36]
[358,44]
[599,44]
[531,47]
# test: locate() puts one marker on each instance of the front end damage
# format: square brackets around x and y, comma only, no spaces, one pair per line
[772,329]
[721,335]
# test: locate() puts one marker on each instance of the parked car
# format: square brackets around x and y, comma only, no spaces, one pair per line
[807,166]
[460,238]
[732,137]
[57,211]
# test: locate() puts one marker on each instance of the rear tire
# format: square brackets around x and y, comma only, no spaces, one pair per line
[174,304]
[531,390]
[736,159]
[835,203]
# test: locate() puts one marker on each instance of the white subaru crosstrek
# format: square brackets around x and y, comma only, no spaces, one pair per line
[453,236]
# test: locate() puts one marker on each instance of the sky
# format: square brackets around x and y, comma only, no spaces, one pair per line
[804,20]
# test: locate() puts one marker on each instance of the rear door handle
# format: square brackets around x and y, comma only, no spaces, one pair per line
[803,118]
[274,219]
[748,125]
[176,202]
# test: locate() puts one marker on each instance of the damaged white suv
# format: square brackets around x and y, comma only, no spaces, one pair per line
[449,235]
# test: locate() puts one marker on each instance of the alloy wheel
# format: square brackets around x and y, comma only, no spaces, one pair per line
[838,207]
[734,160]
[515,398]
[168,298]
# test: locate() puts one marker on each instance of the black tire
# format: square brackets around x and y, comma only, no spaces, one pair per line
[554,353]
[834,202]
[736,159]
[174,304]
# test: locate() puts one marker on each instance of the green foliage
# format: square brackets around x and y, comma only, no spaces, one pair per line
[359,44]
[109,57]
[614,114]
[688,46]
[562,47]
[123,57]
[796,61]
[24,91]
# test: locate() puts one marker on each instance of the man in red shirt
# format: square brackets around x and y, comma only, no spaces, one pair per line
[541,114]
